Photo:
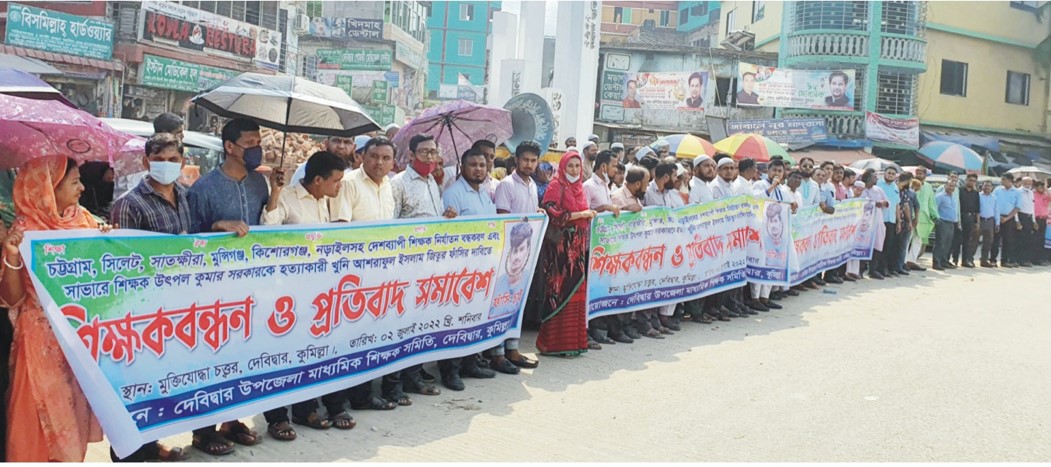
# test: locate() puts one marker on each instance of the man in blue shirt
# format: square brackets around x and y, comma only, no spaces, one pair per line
[890,220]
[946,227]
[1008,202]
[988,221]
[467,197]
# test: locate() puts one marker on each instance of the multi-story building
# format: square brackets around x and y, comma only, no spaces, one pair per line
[459,40]
[375,50]
[700,20]
[171,51]
[987,84]
[81,65]
[620,19]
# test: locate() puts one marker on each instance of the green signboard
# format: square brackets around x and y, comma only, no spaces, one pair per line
[346,83]
[354,59]
[379,91]
[53,31]
[160,72]
[612,86]
[383,114]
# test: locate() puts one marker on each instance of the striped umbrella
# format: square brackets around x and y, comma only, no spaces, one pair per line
[952,156]
[687,146]
[753,146]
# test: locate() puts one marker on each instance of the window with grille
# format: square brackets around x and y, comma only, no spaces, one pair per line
[314,8]
[758,10]
[842,15]
[665,18]
[252,10]
[954,78]
[731,21]
[1017,88]
[900,17]
[896,93]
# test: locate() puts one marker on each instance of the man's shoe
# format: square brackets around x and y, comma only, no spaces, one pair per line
[848,278]
[938,267]
[819,282]
[904,272]
[834,280]
[892,273]
[792,293]
[875,275]
[771,305]
[951,265]
[1008,265]
[631,332]
[986,264]
[476,372]
[757,305]
[452,381]
[969,265]
[504,366]
[427,377]
[623,339]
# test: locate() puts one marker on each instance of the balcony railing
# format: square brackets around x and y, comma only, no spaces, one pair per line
[840,125]
[904,49]
[828,44]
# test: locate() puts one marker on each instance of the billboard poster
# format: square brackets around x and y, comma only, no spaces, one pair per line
[192,29]
[659,91]
[904,131]
[763,86]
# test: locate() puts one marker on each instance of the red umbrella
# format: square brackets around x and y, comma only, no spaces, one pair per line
[32,128]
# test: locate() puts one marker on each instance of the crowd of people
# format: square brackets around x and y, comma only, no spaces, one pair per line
[345,183]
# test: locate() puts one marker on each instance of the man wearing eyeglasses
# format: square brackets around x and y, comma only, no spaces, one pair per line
[340,146]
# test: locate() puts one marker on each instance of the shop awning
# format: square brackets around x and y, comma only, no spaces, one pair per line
[112,65]
[839,156]
[28,65]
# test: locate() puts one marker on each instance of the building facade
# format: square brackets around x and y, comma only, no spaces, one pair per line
[622,18]
[79,62]
[459,40]
[375,50]
[700,20]
[985,80]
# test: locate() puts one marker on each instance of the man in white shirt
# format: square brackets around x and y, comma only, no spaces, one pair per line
[662,192]
[703,174]
[1026,216]
[773,189]
[607,329]
[306,202]
[726,169]
[747,174]
[517,194]
[590,151]
[731,301]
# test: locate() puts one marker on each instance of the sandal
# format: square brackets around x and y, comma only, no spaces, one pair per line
[376,404]
[313,421]
[282,431]
[592,345]
[342,421]
[240,433]
[400,398]
[213,444]
[423,388]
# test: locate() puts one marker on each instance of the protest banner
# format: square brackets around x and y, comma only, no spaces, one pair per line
[825,241]
[904,131]
[166,334]
[763,86]
[664,256]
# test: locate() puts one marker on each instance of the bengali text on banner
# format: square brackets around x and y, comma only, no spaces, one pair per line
[171,333]
[663,256]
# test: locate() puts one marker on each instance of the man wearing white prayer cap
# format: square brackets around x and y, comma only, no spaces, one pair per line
[589,151]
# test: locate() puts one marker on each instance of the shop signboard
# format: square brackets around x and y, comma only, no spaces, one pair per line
[177,75]
[192,29]
[354,59]
[58,32]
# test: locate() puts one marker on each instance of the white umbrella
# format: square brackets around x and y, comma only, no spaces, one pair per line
[288,104]
[875,163]
[1031,171]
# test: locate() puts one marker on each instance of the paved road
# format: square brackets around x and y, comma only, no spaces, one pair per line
[940,367]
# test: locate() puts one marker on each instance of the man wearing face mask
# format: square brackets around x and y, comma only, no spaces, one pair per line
[229,199]
[157,204]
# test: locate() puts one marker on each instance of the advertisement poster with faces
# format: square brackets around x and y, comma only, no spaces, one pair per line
[764,86]
[645,90]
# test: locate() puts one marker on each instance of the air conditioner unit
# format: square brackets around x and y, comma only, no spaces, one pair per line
[302,23]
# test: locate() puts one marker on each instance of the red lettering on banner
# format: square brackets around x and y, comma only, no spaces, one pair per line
[803,244]
[639,260]
[848,232]
[456,287]
[825,237]
[739,238]
[349,301]
[677,258]
[710,247]
[283,317]
[120,338]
